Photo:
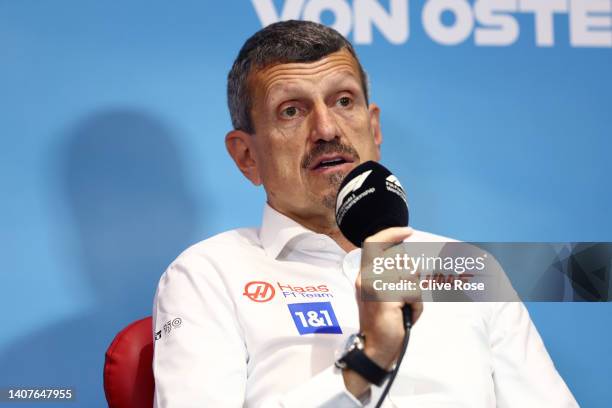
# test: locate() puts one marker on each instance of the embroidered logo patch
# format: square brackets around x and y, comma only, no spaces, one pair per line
[315,317]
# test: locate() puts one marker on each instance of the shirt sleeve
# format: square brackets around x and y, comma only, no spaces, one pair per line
[523,373]
[200,357]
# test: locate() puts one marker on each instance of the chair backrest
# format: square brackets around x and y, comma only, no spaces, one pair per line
[128,369]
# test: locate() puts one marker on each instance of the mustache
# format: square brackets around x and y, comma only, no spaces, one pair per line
[333,146]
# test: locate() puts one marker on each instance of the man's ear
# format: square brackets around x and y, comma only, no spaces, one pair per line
[374,112]
[239,145]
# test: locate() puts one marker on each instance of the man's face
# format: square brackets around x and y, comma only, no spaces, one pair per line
[312,126]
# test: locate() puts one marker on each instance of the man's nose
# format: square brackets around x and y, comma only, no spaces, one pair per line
[323,124]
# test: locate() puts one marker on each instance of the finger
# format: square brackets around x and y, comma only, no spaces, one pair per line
[393,234]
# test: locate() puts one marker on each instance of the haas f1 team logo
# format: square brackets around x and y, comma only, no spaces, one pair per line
[259,291]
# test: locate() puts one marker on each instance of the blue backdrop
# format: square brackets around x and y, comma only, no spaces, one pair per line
[496,117]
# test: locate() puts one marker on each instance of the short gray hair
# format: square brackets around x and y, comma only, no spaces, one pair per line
[282,42]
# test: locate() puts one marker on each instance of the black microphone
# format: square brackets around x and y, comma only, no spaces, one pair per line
[371,199]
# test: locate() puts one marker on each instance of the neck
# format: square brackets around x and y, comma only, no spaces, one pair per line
[343,242]
[321,224]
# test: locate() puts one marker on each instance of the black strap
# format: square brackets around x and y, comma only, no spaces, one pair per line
[357,361]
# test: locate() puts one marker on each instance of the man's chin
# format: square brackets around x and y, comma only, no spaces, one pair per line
[334,180]
[329,201]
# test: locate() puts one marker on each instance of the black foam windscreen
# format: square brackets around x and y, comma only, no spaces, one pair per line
[369,200]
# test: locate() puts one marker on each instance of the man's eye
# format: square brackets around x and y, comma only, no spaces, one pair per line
[345,101]
[289,112]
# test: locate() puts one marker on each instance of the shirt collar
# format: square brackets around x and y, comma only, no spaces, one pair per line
[278,231]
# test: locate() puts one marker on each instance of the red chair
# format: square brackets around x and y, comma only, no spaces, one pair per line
[128,369]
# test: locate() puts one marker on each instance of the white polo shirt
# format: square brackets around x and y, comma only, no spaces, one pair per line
[257,318]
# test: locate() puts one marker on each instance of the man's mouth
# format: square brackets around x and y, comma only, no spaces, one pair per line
[330,162]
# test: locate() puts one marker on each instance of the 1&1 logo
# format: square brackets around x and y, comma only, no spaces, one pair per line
[259,291]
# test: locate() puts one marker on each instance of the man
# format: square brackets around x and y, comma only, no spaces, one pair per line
[258,317]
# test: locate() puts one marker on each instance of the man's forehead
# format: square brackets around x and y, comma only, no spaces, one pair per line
[341,64]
